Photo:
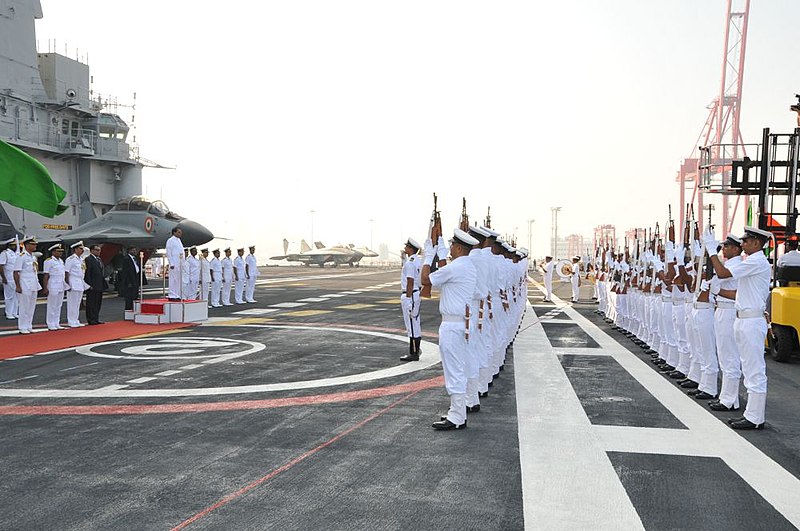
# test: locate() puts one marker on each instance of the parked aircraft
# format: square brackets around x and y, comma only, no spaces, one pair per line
[321,255]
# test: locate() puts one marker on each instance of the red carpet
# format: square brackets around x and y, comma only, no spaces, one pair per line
[17,345]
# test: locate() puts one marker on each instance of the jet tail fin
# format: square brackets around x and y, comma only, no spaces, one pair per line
[319,245]
[304,247]
[285,246]
[87,212]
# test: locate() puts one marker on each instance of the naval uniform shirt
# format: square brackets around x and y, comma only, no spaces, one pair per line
[411,269]
[753,274]
[457,283]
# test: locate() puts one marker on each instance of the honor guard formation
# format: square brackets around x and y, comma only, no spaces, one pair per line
[482,299]
[698,307]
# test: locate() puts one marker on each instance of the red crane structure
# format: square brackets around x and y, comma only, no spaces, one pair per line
[722,126]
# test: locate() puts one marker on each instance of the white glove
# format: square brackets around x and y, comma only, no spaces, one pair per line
[669,255]
[698,249]
[704,285]
[428,249]
[441,243]
[710,241]
[715,285]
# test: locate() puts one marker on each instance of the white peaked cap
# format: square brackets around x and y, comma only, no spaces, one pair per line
[413,243]
[489,231]
[462,237]
[76,244]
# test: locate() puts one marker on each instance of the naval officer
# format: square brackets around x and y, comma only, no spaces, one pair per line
[193,265]
[750,327]
[54,286]
[185,278]
[7,259]
[457,283]
[75,268]
[205,275]
[409,299]
[26,270]
[251,274]
[575,278]
[215,268]
[239,276]
[174,252]
[227,278]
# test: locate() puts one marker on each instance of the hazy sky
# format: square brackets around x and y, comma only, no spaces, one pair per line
[360,110]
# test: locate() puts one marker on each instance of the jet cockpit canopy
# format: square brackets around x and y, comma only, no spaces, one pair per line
[140,203]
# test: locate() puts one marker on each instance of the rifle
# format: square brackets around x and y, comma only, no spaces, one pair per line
[463,222]
[435,232]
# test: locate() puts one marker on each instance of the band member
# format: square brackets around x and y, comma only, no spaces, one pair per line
[457,283]
[575,278]
[409,299]
[26,270]
[547,270]
[54,286]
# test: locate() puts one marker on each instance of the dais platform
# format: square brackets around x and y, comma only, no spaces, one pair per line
[164,311]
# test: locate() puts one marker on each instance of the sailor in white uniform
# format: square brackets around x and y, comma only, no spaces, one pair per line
[193,265]
[791,256]
[750,327]
[75,269]
[54,286]
[239,276]
[251,274]
[409,299]
[205,275]
[7,259]
[227,278]
[215,268]
[26,270]
[575,278]
[547,269]
[185,278]
[174,251]
[457,283]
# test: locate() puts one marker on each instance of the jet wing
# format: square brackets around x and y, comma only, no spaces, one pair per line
[121,235]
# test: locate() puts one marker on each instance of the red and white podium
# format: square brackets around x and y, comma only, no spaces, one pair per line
[162,311]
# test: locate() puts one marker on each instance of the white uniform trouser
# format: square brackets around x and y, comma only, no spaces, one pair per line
[205,286]
[730,363]
[175,282]
[476,358]
[216,287]
[238,288]
[601,295]
[191,289]
[679,320]
[453,350]
[706,351]
[750,335]
[575,290]
[250,290]
[10,296]
[27,305]
[548,285]
[54,301]
[74,307]
[226,292]
[410,308]
[670,336]
[655,320]
[693,339]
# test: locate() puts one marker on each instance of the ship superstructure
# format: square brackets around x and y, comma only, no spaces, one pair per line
[47,109]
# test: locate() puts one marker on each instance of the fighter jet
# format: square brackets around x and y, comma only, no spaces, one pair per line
[336,255]
[136,221]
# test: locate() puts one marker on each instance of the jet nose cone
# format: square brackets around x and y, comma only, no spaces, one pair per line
[194,233]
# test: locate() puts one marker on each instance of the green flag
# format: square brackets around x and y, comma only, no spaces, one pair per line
[26,183]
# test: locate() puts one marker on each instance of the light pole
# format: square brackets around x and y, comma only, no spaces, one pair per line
[530,230]
[312,227]
[371,221]
[554,242]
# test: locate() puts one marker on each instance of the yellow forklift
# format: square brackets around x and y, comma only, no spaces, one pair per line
[772,177]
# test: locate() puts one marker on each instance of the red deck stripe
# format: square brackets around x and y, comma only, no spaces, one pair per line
[225,406]
[230,497]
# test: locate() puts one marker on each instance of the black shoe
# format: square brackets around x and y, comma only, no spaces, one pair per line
[695,392]
[410,357]
[473,409]
[490,384]
[677,375]
[659,361]
[447,425]
[702,395]
[174,299]
[666,367]
[484,394]
[689,385]
[496,376]
[650,351]
[716,405]
[744,424]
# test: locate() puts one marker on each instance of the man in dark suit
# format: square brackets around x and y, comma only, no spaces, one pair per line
[131,278]
[97,283]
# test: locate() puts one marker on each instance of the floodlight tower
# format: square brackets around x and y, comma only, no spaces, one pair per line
[722,124]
